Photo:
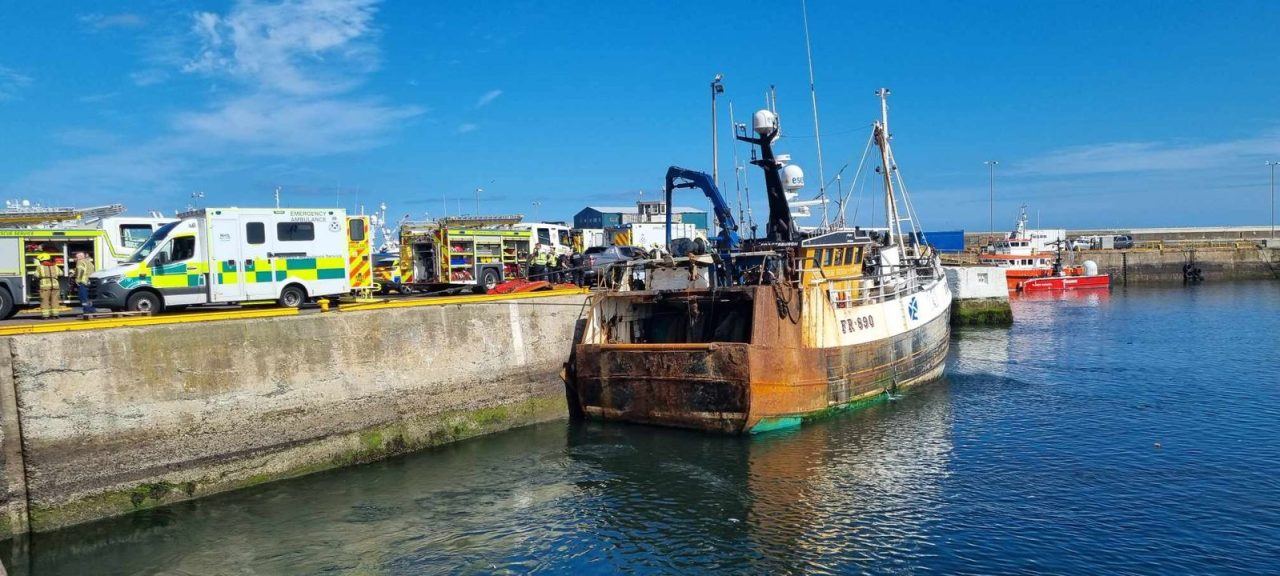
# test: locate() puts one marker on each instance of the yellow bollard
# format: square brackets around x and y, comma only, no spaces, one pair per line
[324,304]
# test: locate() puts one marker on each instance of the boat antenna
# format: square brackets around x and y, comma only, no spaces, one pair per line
[892,221]
[737,179]
[813,97]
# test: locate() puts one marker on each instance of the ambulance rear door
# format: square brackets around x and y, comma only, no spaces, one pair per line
[257,254]
[226,259]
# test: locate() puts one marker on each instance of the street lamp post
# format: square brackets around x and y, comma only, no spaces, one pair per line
[991,194]
[1273,198]
[716,88]
[478,191]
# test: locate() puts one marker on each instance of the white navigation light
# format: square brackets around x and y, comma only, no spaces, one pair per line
[792,177]
[764,122]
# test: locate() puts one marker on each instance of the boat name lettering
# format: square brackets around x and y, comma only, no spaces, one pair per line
[855,324]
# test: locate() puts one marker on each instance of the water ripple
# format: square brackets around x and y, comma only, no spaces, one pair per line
[1133,433]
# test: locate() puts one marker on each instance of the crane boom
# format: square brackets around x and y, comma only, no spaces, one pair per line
[678,177]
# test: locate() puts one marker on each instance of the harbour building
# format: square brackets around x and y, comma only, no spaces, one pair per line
[642,212]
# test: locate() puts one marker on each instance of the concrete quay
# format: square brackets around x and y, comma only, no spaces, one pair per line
[1217,263]
[979,296]
[106,422]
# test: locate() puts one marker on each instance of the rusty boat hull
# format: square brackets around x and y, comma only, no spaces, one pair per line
[789,368]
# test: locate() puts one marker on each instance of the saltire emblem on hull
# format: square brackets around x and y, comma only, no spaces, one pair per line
[913,309]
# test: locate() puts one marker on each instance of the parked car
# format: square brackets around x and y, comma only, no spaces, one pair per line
[1081,243]
[598,258]
[1123,241]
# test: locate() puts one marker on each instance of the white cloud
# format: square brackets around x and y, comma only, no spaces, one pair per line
[288,76]
[488,98]
[107,21]
[295,47]
[273,125]
[1119,157]
[11,82]
[148,77]
[465,128]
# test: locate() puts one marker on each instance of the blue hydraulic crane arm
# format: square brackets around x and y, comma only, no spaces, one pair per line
[678,177]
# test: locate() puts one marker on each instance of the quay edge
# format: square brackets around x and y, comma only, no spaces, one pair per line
[102,423]
[980,296]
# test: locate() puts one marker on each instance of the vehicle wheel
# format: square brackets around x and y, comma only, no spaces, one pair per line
[292,297]
[7,309]
[145,302]
[489,279]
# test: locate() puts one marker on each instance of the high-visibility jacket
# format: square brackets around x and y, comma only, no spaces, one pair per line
[83,269]
[48,275]
[541,258]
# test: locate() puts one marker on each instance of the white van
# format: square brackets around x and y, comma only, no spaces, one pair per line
[224,255]
[554,236]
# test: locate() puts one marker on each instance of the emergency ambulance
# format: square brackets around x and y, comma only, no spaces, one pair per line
[109,242]
[229,255]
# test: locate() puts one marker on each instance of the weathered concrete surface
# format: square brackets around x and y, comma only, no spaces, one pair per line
[1165,266]
[119,420]
[13,486]
[980,296]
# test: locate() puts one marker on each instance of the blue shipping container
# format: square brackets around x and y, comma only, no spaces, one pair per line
[946,241]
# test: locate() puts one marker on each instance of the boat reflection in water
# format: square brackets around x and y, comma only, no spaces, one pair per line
[859,489]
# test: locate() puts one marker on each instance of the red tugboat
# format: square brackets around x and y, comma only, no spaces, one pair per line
[1022,256]
[1067,279]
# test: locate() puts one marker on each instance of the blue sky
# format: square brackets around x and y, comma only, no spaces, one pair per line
[1100,113]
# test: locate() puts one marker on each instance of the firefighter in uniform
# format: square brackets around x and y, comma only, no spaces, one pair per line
[84,268]
[538,264]
[49,274]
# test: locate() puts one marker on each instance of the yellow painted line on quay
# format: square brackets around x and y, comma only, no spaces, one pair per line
[468,299]
[48,326]
[51,326]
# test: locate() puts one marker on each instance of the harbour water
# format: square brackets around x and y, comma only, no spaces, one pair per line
[1130,432]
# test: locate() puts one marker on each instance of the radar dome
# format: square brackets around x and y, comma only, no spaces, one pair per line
[764,122]
[792,177]
[1090,268]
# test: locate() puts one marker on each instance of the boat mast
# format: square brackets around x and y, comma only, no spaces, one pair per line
[817,134]
[893,223]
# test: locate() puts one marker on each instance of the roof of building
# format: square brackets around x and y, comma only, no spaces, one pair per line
[635,210]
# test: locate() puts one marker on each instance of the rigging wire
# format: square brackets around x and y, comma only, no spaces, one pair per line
[861,163]
[813,96]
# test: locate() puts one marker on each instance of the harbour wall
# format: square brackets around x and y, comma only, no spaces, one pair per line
[1164,264]
[980,296]
[106,422]
[1147,266]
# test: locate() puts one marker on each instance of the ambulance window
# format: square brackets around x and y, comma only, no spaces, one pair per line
[563,236]
[295,231]
[255,233]
[544,237]
[356,234]
[134,235]
[184,248]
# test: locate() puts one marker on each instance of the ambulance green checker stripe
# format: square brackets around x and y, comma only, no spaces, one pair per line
[187,275]
[324,268]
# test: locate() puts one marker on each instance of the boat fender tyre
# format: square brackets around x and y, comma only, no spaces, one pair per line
[489,279]
[292,296]
[145,302]
[7,309]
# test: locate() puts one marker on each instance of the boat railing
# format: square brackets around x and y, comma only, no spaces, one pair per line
[863,290]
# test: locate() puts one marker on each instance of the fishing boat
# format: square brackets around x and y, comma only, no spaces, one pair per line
[761,334]
[1022,255]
